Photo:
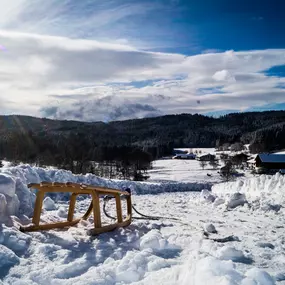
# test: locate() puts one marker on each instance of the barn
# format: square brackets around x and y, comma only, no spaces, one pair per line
[270,161]
[206,157]
[184,156]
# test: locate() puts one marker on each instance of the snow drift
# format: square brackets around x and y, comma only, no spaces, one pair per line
[17,199]
[264,192]
[146,252]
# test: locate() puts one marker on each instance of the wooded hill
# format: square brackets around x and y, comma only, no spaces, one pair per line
[28,138]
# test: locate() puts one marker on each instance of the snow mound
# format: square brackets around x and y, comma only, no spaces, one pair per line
[62,212]
[258,276]
[218,202]
[235,200]
[3,204]
[264,192]
[212,271]
[49,204]
[207,196]
[7,185]
[20,200]
[231,253]
[9,202]
[153,240]
[265,245]
[14,239]
[7,258]
[210,228]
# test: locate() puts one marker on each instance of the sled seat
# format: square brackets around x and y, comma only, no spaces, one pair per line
[78,189]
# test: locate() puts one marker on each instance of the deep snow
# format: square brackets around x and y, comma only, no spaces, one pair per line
[188,171]
[248,247]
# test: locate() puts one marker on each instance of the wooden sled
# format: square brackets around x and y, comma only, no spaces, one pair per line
[77,189]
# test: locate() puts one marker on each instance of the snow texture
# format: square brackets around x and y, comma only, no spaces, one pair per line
[230,253]
[7,258]
[49,204]
[20,199]
[147,252]
[210,228]
[264,192]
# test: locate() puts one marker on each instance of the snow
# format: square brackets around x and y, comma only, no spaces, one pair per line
[231,253]
[260,276]
[3,204]
[188,171]
[48,204]
[280,152]
[7,258]
[218,202]
[9,202]
[245,242]
[7,185]
[207,196]
[265,192]
[210,228]
[62,212]
[20,199]
[211,271]
[15,240]
[154,240]
[194,150]
[235,200]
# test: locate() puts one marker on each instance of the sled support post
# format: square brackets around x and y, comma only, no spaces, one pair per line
[72,202]
[96,209]
[38,207]
[119,208]
[96,192]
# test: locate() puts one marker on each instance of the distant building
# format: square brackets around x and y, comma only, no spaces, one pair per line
[179,151]
[184,156]
[240,159]
[270,161]
[206,157]
[241,156]
[252,161]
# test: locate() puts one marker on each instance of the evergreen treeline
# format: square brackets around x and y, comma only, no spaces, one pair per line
[73,145]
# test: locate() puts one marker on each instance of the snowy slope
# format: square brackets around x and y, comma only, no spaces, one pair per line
[147,252]
[18,199]
[202,150]
[183,170]
[264,191]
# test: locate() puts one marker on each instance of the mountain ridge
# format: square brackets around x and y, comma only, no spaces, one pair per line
[181,130]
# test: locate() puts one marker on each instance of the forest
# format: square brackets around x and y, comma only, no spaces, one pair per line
[126,148]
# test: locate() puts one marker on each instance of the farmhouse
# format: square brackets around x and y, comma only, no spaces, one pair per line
[206,157]
[270,161]
[184,156]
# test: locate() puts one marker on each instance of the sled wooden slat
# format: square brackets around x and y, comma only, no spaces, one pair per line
[75,190]
[119,208]
[38,208]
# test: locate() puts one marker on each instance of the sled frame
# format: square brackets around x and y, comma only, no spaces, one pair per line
[79,189]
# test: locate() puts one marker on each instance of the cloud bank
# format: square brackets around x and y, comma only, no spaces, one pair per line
[71,77]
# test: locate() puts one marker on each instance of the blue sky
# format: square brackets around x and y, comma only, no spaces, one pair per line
[127,59]
[225,25]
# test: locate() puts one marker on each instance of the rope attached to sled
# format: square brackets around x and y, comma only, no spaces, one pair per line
[142,216]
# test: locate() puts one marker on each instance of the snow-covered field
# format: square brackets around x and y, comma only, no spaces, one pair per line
[221,237]
[183,170]
[198,150]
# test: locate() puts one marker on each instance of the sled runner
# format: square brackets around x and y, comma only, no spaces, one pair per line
[78,189]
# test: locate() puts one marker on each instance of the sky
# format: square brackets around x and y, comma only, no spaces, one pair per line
[104,60]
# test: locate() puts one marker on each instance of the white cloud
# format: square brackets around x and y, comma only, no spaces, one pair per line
[223,75]
[34,67]
[9,10]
